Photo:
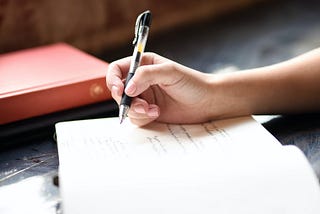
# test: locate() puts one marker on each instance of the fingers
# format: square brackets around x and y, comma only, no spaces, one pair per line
[160,74]
[150,58]
[117,70]
[142,113]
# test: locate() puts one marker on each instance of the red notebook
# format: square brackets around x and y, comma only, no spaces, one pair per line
[47,79]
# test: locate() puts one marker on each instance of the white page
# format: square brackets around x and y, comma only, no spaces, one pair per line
[227,166]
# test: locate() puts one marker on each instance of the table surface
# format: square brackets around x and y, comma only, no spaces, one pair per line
[263,35]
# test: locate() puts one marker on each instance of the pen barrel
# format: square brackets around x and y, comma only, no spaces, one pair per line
[135,61]
[126,100]
[142,39]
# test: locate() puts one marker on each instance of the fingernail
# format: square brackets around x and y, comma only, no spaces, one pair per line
[139,109]
[153,112]
[115,90]
[130,88]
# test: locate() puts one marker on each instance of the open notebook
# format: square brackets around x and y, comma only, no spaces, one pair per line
[226,166]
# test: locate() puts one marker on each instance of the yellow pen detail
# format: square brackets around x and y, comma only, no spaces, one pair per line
[140,47]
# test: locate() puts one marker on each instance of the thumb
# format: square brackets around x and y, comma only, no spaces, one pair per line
[160,74]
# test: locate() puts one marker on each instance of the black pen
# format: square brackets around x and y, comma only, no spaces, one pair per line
[141,34]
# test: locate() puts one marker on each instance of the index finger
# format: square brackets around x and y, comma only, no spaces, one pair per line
[117,70]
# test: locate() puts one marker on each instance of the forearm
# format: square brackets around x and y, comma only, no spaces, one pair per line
[289,87]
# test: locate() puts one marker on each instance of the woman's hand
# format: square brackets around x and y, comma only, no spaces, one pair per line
[166,91]
[163,90]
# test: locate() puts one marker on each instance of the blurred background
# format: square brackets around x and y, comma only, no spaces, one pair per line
[97,25]
[209,35]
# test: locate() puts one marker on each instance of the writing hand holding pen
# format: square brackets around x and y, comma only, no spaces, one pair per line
[161,85]
[162,89]
[166,91]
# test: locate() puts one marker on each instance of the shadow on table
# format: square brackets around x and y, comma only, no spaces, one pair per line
[302,131]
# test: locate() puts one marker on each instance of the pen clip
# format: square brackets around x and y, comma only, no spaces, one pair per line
[136,29]
[144,19]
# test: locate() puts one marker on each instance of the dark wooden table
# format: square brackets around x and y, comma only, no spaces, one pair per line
[259,36]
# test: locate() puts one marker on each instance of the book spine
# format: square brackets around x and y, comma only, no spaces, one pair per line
[51,100]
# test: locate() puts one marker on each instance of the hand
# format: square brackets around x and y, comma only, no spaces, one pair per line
[163,90]
[169,92]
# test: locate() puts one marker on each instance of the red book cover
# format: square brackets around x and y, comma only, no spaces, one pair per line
[47,79]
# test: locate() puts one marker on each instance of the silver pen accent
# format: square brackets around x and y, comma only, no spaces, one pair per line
[123,112]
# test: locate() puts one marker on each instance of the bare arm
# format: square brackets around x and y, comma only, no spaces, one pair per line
[292,86]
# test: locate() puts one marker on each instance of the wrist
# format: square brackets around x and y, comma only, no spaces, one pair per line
[232,95]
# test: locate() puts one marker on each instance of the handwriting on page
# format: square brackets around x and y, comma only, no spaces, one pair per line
[155,139]
[109,141]
[191,137]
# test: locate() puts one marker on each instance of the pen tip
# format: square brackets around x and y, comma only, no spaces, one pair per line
[121,119]
[123,111]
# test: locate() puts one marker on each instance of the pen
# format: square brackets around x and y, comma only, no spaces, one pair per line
[141,34]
